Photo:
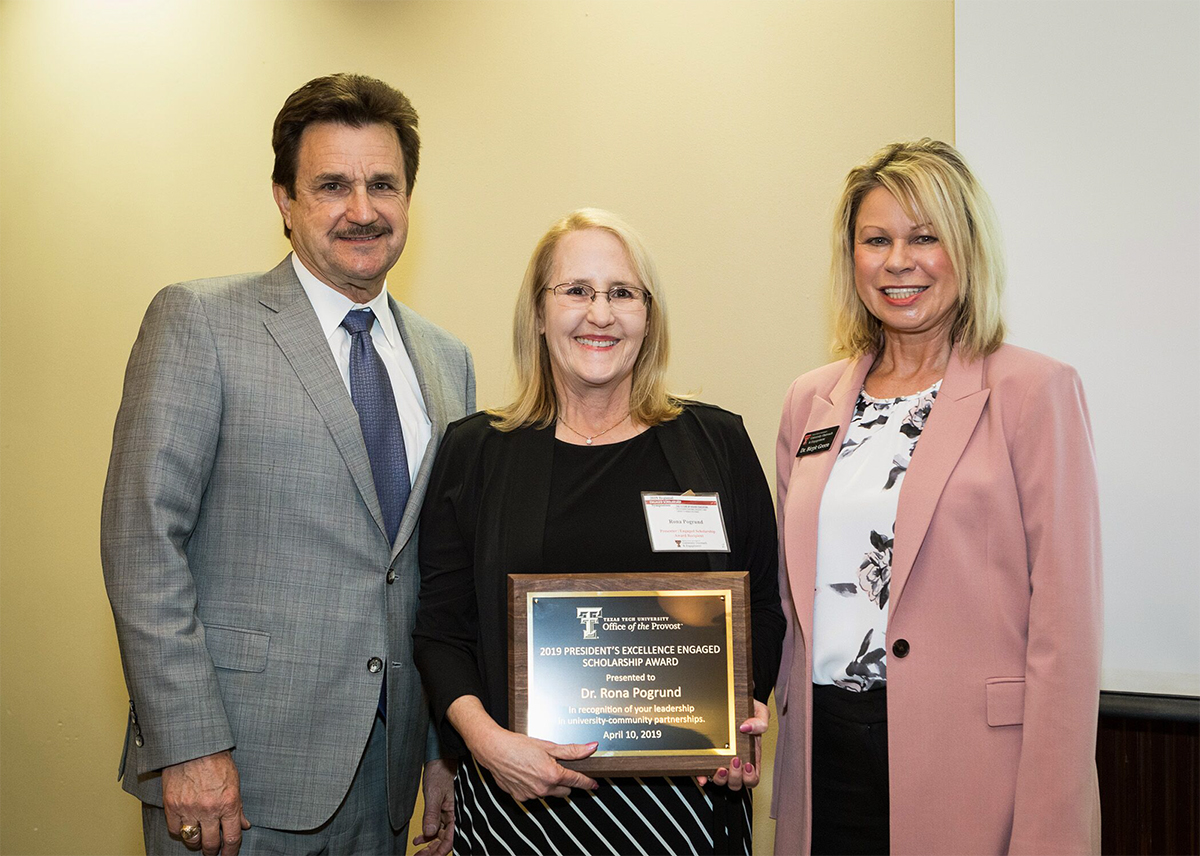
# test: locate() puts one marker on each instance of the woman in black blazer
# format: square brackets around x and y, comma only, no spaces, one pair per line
[552,484]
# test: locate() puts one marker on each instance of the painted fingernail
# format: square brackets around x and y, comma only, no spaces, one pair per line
[744,728]
[750,769]
[721,771]
[737,762]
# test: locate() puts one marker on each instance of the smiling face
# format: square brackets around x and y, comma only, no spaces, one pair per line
[349,217]
[592,348]
[902,273]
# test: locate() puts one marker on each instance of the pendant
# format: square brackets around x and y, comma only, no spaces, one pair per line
[589,441]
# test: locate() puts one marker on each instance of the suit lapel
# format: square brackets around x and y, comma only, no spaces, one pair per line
[424,361]
[692,472]
[296,330]
[951,422]
[807,485]
[521,536]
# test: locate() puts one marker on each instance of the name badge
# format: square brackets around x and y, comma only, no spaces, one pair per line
[817,441]
[685,522]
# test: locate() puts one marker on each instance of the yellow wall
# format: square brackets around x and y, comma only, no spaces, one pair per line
[134,151]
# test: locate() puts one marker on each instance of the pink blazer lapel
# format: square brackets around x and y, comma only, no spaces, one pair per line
[807,485]
[951,422]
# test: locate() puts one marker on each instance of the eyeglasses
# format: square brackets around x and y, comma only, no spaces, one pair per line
[579,295]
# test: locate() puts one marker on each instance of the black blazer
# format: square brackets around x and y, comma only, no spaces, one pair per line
[484,518]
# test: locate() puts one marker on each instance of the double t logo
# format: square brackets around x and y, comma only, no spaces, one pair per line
[589,616]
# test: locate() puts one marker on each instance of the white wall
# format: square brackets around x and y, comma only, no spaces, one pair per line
[1083,121]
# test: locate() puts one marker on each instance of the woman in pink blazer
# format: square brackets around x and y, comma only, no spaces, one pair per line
[939,534]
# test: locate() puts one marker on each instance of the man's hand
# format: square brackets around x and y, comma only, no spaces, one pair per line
[206,792]
[437,825]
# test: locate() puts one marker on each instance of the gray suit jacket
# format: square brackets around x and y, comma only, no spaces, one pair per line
[244,549]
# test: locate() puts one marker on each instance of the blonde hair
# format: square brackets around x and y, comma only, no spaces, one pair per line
[536,403]
[934,185]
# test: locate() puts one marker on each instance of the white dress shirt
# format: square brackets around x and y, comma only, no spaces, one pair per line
[331,307]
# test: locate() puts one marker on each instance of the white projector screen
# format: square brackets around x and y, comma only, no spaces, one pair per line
[1082,119]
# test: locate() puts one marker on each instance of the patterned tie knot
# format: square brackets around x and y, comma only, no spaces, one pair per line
[358,320]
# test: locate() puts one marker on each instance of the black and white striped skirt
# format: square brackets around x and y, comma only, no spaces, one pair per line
[625,817]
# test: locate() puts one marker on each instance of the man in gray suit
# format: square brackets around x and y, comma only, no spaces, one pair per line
[259,531]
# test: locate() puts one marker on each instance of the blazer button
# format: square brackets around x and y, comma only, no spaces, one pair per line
[374,665]
[900,648]
[138,741]
[391,576]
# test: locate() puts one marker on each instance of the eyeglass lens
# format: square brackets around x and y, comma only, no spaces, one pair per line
[620,297]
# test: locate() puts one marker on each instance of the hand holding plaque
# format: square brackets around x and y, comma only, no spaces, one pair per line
[524,767]
[738,775]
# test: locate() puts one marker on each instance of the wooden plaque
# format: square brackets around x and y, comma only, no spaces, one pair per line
[654,667]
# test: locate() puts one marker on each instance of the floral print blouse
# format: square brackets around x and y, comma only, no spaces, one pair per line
[854,539]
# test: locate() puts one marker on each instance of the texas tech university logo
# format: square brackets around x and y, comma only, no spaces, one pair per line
[589,617]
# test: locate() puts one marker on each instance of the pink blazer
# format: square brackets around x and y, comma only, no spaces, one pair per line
[995,587]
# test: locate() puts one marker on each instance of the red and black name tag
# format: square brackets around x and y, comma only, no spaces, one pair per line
[817,441]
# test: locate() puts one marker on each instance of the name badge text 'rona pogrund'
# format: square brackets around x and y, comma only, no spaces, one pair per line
[685,522]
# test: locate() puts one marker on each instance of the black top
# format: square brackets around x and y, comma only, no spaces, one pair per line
[595,521]
[499,503]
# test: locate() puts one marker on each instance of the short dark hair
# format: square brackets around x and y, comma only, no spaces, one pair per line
[350,99]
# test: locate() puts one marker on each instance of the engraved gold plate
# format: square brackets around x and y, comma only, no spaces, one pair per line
[653,667]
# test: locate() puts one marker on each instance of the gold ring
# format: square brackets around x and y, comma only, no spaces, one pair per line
[189,832]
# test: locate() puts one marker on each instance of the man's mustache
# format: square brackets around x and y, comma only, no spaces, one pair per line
[362,232]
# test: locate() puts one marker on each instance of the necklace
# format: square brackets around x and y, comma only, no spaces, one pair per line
[594,436]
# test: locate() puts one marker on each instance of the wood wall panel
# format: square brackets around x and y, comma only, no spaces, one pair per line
[1149,785]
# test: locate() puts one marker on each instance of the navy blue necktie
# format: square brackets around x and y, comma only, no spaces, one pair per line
[371,391]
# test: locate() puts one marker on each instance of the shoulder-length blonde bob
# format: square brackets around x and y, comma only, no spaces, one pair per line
[933,183]
[536,403]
